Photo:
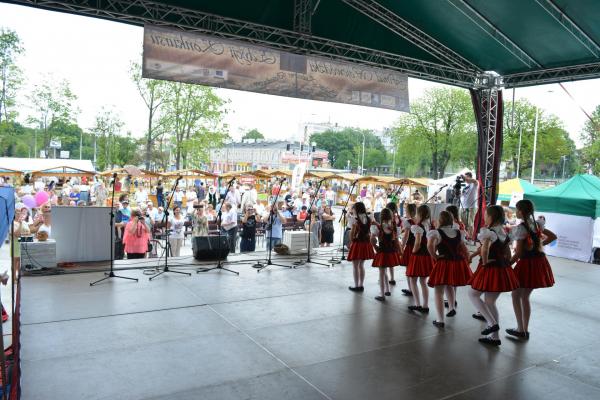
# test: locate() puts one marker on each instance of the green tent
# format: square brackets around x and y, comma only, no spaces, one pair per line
[579,195]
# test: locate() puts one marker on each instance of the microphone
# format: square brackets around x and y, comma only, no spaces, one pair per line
[444,186]
[231,181]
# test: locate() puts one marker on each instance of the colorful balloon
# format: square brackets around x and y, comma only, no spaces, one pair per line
[41,198]
[29,201]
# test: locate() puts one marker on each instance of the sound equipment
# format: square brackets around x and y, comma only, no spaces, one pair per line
[207,248]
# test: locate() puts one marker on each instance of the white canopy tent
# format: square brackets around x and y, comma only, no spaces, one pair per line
[26,165]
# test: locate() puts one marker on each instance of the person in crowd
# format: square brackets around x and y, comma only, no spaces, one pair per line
[378,206]
[84,193]
[408,240]
[510,220]
[447,247]
[177,198]
[420,263]
[212,196]
[199,224]
[327,228]
[249,223]
[101,194]
[75,195]
[140,196]
[314,227]
[123,215]
[43,221]
[176,224]
[388,251]
[160,199]
[275,222]
[302,214]
[190,198]
[151,211]
[21,228]
[160,214]
[233,197]
[398,227]
[361,248]
[363,192]
[417,197]
[329,196]
[468,202]
[249,198]
[494,274]
[211,214]
[52,197]
[457,224]
[136,236]
[229,225]
[533,269]
[201,192]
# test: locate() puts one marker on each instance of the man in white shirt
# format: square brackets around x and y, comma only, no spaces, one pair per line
[152,212]
[229,225]
[468,202]
[233,198]
[329,196]
[178,197]
[141,196]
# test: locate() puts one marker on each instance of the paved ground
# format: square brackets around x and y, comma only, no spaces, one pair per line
[296,334]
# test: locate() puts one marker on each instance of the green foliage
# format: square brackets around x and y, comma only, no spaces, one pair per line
[11,77]
[253,134]
[440,129]
[591,141]
[346,145]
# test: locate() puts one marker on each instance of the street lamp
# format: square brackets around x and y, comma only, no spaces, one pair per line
[564,158]
[535,133]
[362,163]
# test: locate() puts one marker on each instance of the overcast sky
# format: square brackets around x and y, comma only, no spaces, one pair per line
[94,55]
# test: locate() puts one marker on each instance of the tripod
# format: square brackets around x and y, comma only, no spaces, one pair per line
[219,220]
[309,217]
[260,266]
[334,260]
[167,244]
[111,273]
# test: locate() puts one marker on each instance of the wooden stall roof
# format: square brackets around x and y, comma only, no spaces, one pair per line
[321,175]
[411,182]
[9,172]
[190,173]
[62,170]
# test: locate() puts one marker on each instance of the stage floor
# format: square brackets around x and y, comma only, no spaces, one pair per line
[296,334]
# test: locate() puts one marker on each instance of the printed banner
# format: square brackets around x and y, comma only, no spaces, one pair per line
[193,58]
[575,236]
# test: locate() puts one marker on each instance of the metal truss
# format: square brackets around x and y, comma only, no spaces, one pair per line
[570,26]
[303,11]
[140,12]
[490,114]
[552,75]
[407,31]
[483,23]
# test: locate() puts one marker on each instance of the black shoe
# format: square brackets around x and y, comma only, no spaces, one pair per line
[392,282]
[414,308]
[490,341]
[354,289]
[406,292]
[446,304]
[438,324]
[424,310]
[451,313]
[479,317]
[490,329]
[387,293]
[361,288]
[516,333]
[380,298]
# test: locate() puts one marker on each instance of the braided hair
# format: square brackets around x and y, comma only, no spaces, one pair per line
[527,212]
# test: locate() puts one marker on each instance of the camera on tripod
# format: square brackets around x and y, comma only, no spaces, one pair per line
[459,185]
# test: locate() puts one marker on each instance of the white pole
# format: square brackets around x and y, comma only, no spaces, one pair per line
[564,162]
[535,132]
[362,163]
[80,144]
[519,151]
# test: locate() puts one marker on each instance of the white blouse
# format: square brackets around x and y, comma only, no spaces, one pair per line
[519,232]
[434,234]
[492,234]
[416,229]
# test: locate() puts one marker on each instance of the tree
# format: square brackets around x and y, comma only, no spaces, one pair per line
[441,126]
[193,114]
[346,145]
[52,101]
[10,74]
[253,134]
[107,127]
[153,93]
[591,142]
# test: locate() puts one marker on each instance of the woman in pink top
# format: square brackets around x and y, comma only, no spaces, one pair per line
[136,236]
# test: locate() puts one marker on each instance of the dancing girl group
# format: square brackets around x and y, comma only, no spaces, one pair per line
[437,257]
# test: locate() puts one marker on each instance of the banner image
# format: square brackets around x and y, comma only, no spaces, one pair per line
[575,236]
[193,58]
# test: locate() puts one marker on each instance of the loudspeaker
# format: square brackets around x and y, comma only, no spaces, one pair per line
[206,248]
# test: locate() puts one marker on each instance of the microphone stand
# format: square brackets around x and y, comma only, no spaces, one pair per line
[167,244]
[111,273]
[309,217]
[219,220]
[435,194]
[334,260]
[260,266]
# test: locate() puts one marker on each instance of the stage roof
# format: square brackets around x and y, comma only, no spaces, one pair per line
[527,42]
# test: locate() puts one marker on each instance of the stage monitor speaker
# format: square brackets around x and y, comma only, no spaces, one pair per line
[206,248]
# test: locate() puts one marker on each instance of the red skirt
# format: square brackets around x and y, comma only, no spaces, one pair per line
[450,272]
[405,257]
[494,279]
[386,259]
[534,272]
[361,251]
[419,265]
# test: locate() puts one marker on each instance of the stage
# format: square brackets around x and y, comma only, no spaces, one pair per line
[296,334]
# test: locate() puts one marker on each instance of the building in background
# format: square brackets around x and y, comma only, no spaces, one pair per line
[254,154]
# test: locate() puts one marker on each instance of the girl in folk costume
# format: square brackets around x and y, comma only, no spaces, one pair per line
[398,229]
[360,248]
[494,274]
[408,241]
[457,224]
[420,263]
[533,270]
[388,254]
[447,247]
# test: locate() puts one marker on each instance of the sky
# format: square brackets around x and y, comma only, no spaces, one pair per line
[94,56]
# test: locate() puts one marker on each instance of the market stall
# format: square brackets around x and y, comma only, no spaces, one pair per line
[513,190]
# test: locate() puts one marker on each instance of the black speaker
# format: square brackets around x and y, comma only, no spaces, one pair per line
[288,147]
[206,248]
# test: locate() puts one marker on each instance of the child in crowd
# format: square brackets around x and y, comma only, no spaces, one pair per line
[388,254]
[420,263]
[360,247]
